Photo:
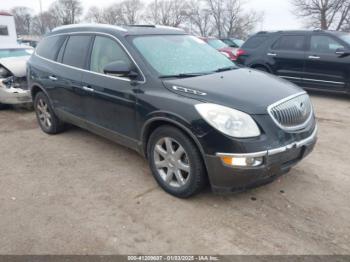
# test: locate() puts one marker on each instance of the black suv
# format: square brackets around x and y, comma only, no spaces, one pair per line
[311,59]
[193,114]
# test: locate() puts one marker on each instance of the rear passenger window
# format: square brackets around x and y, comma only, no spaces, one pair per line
[50,46]
[290,43]
[76,51]
[106,51]
[255,41]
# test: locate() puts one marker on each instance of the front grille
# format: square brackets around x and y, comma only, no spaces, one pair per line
[292,113]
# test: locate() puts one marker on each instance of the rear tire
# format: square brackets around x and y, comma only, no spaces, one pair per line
[176,162]
[46,117]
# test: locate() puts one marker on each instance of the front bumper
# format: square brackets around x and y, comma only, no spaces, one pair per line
[13,96]
[277,162]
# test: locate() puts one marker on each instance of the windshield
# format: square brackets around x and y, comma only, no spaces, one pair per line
[15,52]
[238,42]
[180,54]
[216,43]
[346,38]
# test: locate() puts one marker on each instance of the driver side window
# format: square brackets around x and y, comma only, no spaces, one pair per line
[105,51]
[324,44]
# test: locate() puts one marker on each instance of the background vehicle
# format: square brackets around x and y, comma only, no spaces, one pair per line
[189,110]
[13,83]
[312,59]
[233,42]
[223,48]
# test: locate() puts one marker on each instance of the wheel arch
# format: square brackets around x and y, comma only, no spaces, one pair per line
[256,65]
[155,122]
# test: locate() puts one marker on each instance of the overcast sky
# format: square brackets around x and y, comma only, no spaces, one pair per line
[278,13]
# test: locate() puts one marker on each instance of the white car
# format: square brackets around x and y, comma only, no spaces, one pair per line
[13,83]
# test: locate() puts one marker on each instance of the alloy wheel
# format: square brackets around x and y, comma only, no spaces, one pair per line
[171,162]
[44,114]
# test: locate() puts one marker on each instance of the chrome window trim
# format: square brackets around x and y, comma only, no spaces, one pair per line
[314,80]
[270,152]
[294,128]
[92,72]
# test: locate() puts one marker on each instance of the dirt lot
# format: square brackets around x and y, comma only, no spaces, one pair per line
[77,193]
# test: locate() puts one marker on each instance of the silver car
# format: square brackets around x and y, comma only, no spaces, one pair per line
[13,84]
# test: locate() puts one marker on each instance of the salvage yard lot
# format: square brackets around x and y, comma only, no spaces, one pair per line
[76,193]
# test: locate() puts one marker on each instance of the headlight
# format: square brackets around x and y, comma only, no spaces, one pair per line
[229,121]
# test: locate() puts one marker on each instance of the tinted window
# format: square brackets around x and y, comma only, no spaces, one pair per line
[105,51]
[345,37]
[76,51]
[324,44]
[49,46]
[290,43]
[255,41]
[4,30]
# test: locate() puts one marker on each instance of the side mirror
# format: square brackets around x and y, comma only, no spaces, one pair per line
[342,52]
[119,68]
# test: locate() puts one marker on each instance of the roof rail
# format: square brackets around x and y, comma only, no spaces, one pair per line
[156,26]
[88,25]
[141,25]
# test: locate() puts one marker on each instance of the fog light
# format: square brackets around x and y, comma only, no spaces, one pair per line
[242,161]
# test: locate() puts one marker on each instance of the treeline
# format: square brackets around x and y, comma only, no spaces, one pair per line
[200,17]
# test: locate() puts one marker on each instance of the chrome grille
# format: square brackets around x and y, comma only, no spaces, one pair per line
[292,113]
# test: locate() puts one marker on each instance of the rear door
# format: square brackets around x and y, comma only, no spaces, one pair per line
[324,69]
[73,59]
[286,56]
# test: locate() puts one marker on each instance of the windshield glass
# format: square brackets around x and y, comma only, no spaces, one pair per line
[180,54]
[238,42]
[15,52]
[217,44]
[345,37]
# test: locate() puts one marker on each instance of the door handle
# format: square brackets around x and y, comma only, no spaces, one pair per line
[53,78]
[88,89]
[271,54]
[314,57]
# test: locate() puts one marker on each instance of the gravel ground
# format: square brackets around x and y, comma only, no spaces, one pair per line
[76,193]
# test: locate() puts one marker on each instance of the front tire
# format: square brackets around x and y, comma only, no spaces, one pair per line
[46,117]
[175,162]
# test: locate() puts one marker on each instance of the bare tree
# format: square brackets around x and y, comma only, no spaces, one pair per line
[200,17]
[324,14]
[169,12]
[131,11]
[113,14]
[67,11]
[23,19]
[231,20]
[94,15]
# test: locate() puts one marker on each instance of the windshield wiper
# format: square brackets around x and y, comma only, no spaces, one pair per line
[227,68]
[183,75]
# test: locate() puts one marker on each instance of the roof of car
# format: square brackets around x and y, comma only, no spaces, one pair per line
[294,31]
[122,30]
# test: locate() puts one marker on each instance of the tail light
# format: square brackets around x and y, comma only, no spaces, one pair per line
[240,52]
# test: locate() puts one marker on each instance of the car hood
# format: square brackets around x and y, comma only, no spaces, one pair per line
[244,89]
[16,65]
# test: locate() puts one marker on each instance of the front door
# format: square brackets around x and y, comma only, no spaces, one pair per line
[324,69]
[110,100]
